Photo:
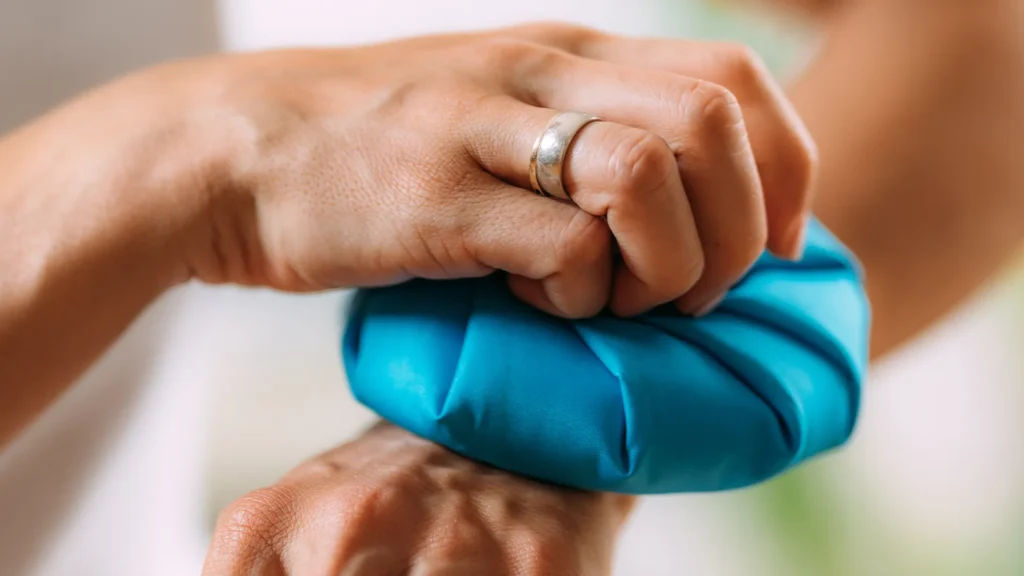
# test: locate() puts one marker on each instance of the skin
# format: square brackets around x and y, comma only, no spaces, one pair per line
[370,166]
[933,226]
[921,174]
[312,170]
[918,175]
[392,503]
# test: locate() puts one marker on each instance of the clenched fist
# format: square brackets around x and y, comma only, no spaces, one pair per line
[310,170]
[317,169]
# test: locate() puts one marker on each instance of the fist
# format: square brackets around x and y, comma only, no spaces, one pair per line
[390,503]
[369,166]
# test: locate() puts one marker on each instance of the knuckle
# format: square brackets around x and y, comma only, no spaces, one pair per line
[640,163]
[431,103]
[255,520]
[355,510]
[741,64]
[514,54]
[340,518]
[362,504]
[566,35]
[712,107]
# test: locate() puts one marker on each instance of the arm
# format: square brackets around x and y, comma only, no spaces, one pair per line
[918,111]
[94,199]
[317,169]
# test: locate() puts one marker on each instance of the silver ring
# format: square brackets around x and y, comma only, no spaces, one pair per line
[549,153]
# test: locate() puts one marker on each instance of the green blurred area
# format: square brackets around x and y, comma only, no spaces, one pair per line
[781,42]
[813,525]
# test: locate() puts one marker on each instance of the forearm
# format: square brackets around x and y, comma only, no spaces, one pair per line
[918,112]
[93,199]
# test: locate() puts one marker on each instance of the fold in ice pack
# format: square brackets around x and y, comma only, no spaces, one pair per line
[652,404]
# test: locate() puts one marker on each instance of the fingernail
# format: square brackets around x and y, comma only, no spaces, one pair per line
[709,307]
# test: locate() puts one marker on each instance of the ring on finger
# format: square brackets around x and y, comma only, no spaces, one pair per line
[549,153]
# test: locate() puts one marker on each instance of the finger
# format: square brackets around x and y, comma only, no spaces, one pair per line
[559,257]
[249,535]
[786,155]
[624,175]
[707,137]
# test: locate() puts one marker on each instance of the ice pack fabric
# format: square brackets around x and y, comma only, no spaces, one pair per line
[657,403]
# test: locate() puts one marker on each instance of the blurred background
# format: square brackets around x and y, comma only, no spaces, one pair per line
[933,483]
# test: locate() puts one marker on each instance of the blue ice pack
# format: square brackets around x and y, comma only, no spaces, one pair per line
[652,404]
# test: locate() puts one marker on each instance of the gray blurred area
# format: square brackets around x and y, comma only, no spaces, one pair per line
[49,51]
[52,49]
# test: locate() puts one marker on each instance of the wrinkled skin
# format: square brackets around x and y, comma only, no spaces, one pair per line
[305,170]
[374,165]
[390,503]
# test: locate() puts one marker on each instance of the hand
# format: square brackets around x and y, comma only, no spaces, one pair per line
[372,165]
[392,503]
[317,169]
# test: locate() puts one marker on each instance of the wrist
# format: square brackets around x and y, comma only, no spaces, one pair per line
[205,145]
[98,201]
[93,207]
[148,160]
